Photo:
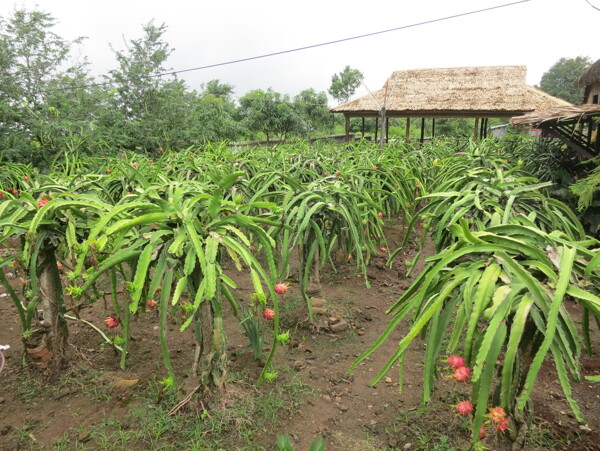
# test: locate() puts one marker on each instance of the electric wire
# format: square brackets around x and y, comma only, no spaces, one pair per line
[313,46]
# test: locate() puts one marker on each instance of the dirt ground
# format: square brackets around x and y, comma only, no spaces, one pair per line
[343,408]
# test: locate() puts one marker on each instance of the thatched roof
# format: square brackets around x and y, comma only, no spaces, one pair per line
[494,91]
[590,75]
[557,114]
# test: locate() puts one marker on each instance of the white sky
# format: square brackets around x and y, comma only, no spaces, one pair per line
[535,34]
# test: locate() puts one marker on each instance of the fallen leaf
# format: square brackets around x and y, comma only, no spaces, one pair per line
[122,384]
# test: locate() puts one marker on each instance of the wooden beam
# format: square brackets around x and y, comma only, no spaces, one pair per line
[363,128]
[422,130]
[573,145]
[476,129]
[433,127]
[439,114]
[408,129]
[376,127]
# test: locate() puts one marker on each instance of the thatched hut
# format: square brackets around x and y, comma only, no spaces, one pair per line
[575,125]
[590,81]
[467,92]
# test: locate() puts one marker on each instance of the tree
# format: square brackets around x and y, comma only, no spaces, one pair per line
[313,111]
[560,79]
[344,84]
[33,69]
[214,117]
[269,112]
[154,108]
[218,89]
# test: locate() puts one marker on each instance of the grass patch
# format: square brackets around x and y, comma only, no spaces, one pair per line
[234,422]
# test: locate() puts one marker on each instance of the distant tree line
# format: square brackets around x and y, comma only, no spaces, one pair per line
[49,103]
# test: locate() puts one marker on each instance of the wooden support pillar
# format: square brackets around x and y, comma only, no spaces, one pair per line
[382,138]
[422,131]
[376,127]
[363,128]
[408,129]
[433,127]
[387,129]
[476,129]
[347,128]
[483,128]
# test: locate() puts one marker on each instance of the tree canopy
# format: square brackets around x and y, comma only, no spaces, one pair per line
[50,103]
[344,84]
[560,79]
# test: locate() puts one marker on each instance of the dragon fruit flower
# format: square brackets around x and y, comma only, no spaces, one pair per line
[462,374]
[465,407]
[151,303]
[482,432]
[268,314]
[497,414]
[501,427]
[112,321]
[456,361]
[281,288]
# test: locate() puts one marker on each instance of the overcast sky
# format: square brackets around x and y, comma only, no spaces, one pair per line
[535,33]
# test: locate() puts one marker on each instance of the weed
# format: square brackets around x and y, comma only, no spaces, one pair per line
[29,389]
[24,435]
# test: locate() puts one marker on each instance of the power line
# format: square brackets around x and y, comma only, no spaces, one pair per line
[322,44]
[337,41]
[590,3]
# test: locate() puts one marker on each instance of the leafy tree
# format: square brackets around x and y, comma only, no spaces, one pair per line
[314,112]
[33,70]
[216,110]
[214,118]
[218,89]
[153,108]
[454,127]
[269,112]
[560,79]
[344,84]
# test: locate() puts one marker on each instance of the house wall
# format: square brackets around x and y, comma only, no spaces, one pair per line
[594,95]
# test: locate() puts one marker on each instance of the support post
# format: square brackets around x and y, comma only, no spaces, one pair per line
[347,128]
[376,127]
[476,129]
[387,129]
[408,129]
[433,128]
[363,128]
[382,139]
[422,130]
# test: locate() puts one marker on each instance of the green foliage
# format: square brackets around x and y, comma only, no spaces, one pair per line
[313,112]
[509,258]
[48,104]
[285,444]
[269,112]
[560,80]
[587,188]
[35,72]
[344,84]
